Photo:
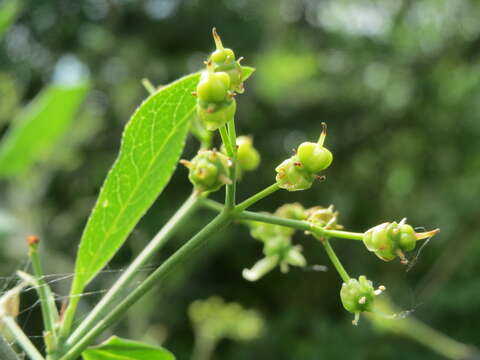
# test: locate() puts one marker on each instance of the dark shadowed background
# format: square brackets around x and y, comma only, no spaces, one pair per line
[398,83]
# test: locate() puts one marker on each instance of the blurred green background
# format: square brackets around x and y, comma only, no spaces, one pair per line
[398,83]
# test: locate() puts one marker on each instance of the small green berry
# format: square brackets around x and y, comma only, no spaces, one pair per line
[213,87]
[314,157]
[292,176]
[208,170]
[247,156]
[223,56]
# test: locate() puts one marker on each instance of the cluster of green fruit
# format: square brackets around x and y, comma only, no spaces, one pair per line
[219,83]
[299,171]
[209,169]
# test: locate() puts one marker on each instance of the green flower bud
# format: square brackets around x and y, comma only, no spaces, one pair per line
[314,156]
[358,296]
[292,176]
[294,211]
[389,240]
[247,156]
[208,170]
[215,116]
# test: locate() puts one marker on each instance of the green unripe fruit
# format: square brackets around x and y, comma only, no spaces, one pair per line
[247,156]
[215,116]
[314,157]
[208,170]
[408,238]
[357,295]
[213,86]
[223,56]
[389,240]
[292,176]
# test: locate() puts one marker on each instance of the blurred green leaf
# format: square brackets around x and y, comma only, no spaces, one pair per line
[8,13]
[38,127]
[152,143]
[6,352]
[122,349]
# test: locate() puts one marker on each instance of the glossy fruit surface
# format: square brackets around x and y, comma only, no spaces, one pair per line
[314,157]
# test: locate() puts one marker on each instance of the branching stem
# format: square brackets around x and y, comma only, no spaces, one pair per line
[155,279]
[120,289]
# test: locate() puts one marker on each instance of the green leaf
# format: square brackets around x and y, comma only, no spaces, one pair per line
[38,127]
[152,143]
[122,349]
[247,71]
[6,352]
[9,10]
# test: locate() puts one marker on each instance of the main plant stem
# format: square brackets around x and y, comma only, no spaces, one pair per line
[154,279]
[120,289]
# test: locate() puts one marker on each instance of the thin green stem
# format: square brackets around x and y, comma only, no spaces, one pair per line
[156,278]
[233,171]
[21,338]
[213,205]
[47,303]
[257,197]
[277,220]
[148,86]
[294,224]
[226,140]
[338,233]
[230,188]
[120,289]
[335,260]
[418,331]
